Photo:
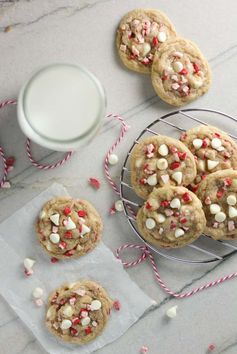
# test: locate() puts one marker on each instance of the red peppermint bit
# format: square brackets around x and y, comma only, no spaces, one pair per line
[228,182]
[174,165]
[83,313]
[196,68]
[142,181]
[173,149]
[68,234]
[217,135]
[28,272]
[165,203]
[144,349]
[183,137]
[73,331]
[219,193]
[54,260]
[88,330]
[148,205]
[183,72]
[226,155]
[10,161]
[204,143]
[67,211]
[112,210]
[94,182]
[194,187]
[80,228]
[117,305]
[69,253]
[173,225]
[183,220]
[155,41]
[203,176]
[164,77]
[72,300]
[132,56]
[182,155]
[211,347]
[176,214]
[81,213]
[63,301]
[76,321]
[186,197]
[62,245]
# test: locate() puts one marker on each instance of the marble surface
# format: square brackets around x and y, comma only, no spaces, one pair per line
[43,32]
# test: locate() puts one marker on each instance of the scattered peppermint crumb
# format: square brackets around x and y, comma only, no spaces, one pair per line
[94,182]
[144,349]
[112,210]
[117,305]
[54,260]
[39,302]
[6,185]
[211,347]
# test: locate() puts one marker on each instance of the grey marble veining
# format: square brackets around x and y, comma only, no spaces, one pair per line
[45,31]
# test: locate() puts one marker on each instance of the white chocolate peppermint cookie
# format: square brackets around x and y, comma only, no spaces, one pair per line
[140,34]
[171,217]
[158,161]
[180,73]
[218,193]
[78,312]
[68,228]
[213,150]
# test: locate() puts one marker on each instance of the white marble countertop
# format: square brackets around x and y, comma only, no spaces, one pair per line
[46,31]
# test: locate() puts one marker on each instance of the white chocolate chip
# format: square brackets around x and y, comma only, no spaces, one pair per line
[163,150]
[113,159]
[232,212]
[118,205]
[150,223]
[68,311]
[95,305]
[94,323]
[178,66]
[139,162]
[70,224]
[152,180]
[66,324]
[212,164]
[179,233]
[221,148]
[231,199]
[178,54]
[177,177]
[42,214]
[55,219]
[54,238]
[175,203]
[161,230]
[162,37]
[146,47]
[85,321]
[172,312]
[197,143]
[162,164]
[165,178]
[160,218]
[215,208]
[201,165]
[216,143]
[84,230]
[37,293]
[28,263]
[197,83]
[220,217]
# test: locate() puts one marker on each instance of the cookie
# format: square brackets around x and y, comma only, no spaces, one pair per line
[139,35]
[213,150]
[218,193]
[171,217]
[160,160]
[68,228]
[78,312]
[180,73]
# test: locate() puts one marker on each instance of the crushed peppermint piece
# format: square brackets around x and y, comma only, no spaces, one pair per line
[165,178]
[231,225]
[175,86]
[211,347]
[39,302]
[6,185]
[144,349]
[88,330]
[94,182]
[28,272]
[10,161]
[117,305]
[54,260]
[67,211]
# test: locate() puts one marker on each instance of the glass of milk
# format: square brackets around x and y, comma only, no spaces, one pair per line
[61,107]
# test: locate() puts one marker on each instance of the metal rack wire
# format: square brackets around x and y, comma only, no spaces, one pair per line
[205,249]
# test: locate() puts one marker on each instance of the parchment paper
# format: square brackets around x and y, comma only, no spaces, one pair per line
[18,241]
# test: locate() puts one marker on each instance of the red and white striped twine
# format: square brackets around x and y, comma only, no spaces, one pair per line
[29,153]
[146,253]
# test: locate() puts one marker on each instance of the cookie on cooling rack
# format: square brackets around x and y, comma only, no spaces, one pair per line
[140,34]
[78,312]
[180,73]
[218,193]
[68,227]
[160,160]
[213,149]
[171,217]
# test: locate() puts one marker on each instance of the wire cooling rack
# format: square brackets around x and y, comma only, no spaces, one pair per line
[205,249]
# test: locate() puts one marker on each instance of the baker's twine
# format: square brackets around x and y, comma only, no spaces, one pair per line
[29,153]
[145,252]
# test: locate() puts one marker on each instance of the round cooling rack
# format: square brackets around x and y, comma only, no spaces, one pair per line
[205,249]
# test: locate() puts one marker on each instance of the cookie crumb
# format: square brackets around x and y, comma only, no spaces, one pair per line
[94,182]
[8,29]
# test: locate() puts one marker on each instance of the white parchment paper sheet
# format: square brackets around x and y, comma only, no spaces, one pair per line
[18,240]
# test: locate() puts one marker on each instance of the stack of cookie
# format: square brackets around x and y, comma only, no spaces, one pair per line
[189,186]
[69,228]
[147,42]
